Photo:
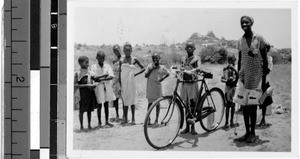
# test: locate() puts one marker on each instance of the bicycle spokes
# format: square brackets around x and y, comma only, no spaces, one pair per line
[211,109]
[165,129]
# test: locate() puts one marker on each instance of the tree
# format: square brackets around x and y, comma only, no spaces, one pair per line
[213,54]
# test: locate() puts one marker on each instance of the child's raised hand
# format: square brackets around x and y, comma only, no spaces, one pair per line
[152,67]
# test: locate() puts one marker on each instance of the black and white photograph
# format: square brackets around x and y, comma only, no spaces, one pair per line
[180,78]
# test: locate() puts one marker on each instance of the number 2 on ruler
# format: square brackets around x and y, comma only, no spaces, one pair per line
[20,79]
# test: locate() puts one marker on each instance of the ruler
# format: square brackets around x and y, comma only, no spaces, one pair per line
[34,77]
[17,79]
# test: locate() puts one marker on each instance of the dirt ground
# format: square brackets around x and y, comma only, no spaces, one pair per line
[276,138]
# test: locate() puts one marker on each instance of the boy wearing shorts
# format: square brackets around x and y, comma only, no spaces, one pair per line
[230,79]
[102,74]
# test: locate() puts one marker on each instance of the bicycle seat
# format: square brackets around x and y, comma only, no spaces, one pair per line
[207,74]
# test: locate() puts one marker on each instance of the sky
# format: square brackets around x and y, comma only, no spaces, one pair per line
[99,26]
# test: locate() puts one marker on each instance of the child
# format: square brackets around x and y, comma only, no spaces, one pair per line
[230,78]
[155,73]
[189,91]
[267,100]
[83,81]
[128,85]
[116,82]
[102,73]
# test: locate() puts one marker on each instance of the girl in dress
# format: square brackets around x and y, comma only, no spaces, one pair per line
[128,85]
[117,82]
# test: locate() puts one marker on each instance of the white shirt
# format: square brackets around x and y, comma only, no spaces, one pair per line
[103,91]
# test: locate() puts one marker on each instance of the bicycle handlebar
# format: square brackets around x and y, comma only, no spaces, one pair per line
[197,72]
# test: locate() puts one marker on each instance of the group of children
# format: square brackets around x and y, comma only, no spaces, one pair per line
[100,84]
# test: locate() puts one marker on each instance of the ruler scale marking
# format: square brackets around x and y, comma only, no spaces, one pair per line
[16,79]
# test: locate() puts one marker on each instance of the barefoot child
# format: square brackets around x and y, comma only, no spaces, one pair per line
[84,82]
[116,82]
[155,73]
[189,91]
[266,99]
[230,78]
[128,85]
[103,75]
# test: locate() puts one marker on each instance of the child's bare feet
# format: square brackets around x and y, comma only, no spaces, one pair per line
[133,122]
[193,132]
[155,122]
[263,125]
[226,125]
[232,125]
[124,122]
[186,130]
[81,128]
[109,124]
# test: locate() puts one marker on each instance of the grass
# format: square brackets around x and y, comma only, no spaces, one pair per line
[280,79]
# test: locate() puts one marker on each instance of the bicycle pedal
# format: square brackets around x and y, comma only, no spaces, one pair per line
[207,108]
[207,112]
[191,120]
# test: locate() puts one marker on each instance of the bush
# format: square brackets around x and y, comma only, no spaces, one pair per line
[281,56]
[213,54]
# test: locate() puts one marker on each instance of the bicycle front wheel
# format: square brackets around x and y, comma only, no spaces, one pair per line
[162,122]
[212,109]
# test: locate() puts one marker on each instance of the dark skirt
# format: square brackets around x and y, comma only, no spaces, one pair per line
[87,100]
[87,97]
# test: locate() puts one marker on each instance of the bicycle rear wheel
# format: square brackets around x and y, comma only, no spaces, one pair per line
[212,109]
[163,133]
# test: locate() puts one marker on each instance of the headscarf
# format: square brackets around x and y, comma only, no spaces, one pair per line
[249,18]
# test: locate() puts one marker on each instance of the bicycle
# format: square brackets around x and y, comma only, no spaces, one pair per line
[209,110]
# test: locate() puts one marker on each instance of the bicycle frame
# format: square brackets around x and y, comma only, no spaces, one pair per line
[182,105]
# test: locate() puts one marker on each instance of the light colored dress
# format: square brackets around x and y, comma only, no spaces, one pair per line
[103,91]
[190,90]
[128,85]
[154,88]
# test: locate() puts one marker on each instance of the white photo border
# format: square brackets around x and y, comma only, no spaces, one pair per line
[72,4]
